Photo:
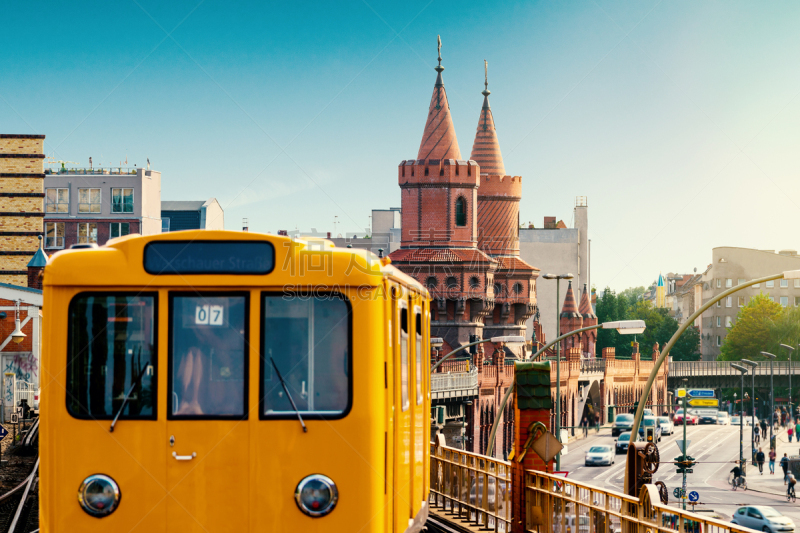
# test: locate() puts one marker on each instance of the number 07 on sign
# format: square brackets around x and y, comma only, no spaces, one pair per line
[209,315]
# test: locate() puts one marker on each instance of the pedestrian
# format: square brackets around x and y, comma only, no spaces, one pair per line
[797,427]
[763,427]
[597,421]
[756,435]
[760,461]
[789,432]
[585,425]
[772,460]
[785,467]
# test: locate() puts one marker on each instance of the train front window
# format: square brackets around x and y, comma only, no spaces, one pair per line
[111,348]
[208,356]
[308,339]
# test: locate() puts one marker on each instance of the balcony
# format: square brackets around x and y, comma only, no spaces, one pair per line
[454,385]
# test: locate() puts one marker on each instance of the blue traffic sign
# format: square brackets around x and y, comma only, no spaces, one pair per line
[694,496]
[701,393]
[3,432]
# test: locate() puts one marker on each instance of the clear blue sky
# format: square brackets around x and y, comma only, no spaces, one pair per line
[678,120]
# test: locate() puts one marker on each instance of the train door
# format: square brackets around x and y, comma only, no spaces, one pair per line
[390,387]
[208,449]
[403,484]
[420,446]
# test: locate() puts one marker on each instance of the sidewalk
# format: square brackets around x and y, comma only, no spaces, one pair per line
[772,483]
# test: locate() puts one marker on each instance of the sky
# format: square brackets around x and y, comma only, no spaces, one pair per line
[677,120]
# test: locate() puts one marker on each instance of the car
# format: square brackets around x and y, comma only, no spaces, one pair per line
[600,455]
[667,427]
[723,418]
[735,420]
[650,422]
[707,416]
[622,443]
[762,518]
[622,423]
[691,418]
[648,412]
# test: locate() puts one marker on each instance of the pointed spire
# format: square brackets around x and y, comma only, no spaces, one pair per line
[39,260]
[439,138]
[570,309]
[585,308]
[486,148]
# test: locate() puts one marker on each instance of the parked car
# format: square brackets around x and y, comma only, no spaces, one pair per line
[735,420]
[723,418]
[762,518]
[622,423]
[667,427]
[600,455]
[622,443]
[691,419]
[650,422]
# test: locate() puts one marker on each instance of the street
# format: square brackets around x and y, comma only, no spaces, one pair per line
[713,447]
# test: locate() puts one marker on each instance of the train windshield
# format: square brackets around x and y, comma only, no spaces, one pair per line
[309,341]
[208,356]
[111,344]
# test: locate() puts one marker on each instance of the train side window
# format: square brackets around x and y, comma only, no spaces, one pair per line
[404,358]
[208,356]
[308,339]
[419,355]
[111,347]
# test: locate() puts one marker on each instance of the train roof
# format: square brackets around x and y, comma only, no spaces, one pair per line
[293,262]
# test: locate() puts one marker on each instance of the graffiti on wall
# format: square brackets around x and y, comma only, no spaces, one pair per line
[24,366]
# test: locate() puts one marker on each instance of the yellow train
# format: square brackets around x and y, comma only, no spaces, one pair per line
[217,381]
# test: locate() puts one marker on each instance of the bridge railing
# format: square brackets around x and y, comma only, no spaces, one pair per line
[473,488]
[724,368]
[454,381]
[593,364]
[562,506]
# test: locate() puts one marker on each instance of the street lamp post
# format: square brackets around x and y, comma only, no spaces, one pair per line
[752,365]
[742,370]
[771,390]
[558,278]
[791,349]
[624,327]
[685,451]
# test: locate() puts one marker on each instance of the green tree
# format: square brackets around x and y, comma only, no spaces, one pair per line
[756,329]
[607,311]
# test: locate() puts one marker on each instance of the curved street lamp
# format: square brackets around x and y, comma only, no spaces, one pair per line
[637,419]
[625,327]
[753,365]
[743,371]
[771,390]
[791,349]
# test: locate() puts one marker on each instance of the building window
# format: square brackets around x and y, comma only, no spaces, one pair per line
[88,200]
[165,225]
[54,235]
[719,282]
[728,283]
[119,229]
[719,303]
[784,284]
[785,301]
[474,282]
[729,301]
[452,283]
[719,321]
[461,211]
[728,322]
[770,284]
[742,281]
[741,301]
[518,288]
[122,200]
[498,290]
[797,284]
[797,301]
[87,233]
[757,285]
[56,201]
[719,340]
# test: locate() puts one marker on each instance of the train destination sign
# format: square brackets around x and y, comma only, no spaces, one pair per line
[704,402]
[701,393]
[209,257]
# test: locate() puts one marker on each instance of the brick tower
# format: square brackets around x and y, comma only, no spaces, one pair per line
[571,320]
[439,194]
[588,338]
[21,204]
[514,288]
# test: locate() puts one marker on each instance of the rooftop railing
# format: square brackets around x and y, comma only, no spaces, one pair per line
[125,171]
[724,368]
[454,381]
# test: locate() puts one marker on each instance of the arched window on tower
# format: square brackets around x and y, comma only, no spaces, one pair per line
[461,211]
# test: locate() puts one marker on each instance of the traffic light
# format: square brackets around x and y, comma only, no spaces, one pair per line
[649,433]
[684,464]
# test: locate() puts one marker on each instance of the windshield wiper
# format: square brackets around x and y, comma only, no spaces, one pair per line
[127,396]
[283,384]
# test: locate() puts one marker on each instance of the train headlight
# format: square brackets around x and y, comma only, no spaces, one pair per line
[99,495]
[316,495]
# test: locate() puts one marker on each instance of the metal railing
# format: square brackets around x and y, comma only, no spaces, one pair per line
[593,364]
[23,389]
[724,368]
[556,504]
[454,381]
[475,488]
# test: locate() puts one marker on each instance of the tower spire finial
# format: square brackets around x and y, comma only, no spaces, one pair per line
[486,91]
[439,48]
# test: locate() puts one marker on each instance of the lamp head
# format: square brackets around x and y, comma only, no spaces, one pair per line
[790,348]
[751,364]
[769,355]
[509,339]
[17,335]
[740,368]
[437,342]
[626,327]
